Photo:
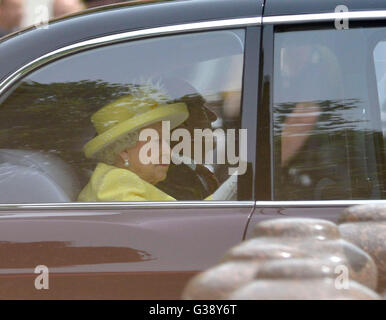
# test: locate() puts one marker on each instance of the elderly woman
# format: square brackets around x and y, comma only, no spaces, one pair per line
[120,174]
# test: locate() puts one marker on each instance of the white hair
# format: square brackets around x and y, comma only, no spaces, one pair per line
[110,152]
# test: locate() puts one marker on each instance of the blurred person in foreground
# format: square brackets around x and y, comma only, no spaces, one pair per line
[65,7]
[11,15]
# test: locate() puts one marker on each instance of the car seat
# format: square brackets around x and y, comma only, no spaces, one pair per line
[35,177]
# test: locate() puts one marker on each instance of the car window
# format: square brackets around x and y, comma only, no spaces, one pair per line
[70,125]
[329,114]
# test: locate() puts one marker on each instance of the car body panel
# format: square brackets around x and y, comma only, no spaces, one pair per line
[95,250]
[326,210]
[151,236]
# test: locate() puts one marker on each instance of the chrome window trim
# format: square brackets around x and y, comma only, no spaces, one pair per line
[146,205]
[131,35]
[150,205]
[317,203]
[322,17]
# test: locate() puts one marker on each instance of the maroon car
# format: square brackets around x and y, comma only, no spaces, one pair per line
[304,81]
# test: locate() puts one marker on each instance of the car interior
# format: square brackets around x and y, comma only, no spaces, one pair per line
[341,156]
[30,176]
[46,117]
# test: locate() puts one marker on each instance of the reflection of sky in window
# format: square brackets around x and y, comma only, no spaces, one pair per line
[211,62]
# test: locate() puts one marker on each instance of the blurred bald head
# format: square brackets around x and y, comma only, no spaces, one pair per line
[11,14]
[64,7]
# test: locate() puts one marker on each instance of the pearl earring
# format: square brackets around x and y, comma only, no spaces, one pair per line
[127,163]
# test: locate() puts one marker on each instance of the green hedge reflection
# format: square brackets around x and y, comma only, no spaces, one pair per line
[55,118]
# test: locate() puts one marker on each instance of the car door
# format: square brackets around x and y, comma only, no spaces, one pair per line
[322,106]
[118,249]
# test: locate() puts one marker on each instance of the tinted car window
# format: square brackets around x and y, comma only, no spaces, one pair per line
[328,104]
[46,119]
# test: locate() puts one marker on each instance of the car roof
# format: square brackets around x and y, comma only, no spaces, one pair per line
[29,44]
[32,43]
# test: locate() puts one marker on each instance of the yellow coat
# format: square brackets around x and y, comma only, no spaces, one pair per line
[110,183]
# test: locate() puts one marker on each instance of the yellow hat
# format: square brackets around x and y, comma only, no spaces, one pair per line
[128,114]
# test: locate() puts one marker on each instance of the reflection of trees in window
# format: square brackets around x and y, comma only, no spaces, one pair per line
[335,115]
[337,160]
[55,117]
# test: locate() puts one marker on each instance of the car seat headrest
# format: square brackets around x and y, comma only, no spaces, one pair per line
[35,177]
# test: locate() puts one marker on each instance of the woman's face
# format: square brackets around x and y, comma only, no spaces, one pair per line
[152,173]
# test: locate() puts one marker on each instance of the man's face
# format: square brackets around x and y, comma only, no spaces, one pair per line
[12,12]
